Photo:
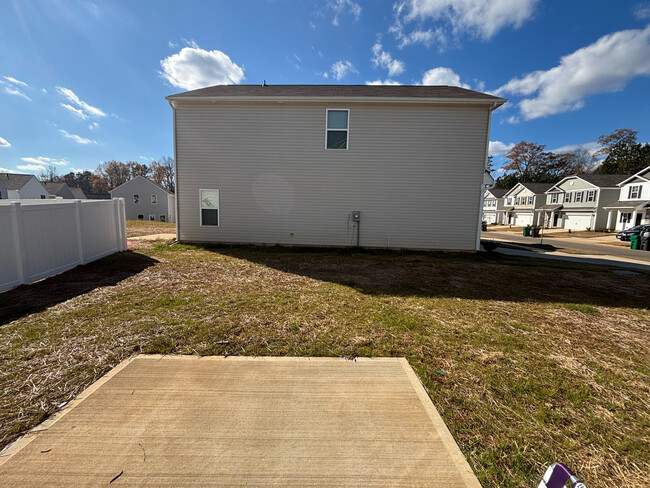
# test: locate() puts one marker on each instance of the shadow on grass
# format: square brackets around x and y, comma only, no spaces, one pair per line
[35,297]
[478,276]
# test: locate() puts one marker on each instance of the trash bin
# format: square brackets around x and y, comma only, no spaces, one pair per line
[635,242]
[484,226]
[534,232]
[526,231]
[645,241]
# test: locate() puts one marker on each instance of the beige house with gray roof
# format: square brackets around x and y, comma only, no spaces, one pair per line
[633,204]
[375,166]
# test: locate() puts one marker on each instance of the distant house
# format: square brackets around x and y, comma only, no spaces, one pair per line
[77,193]
[20,186]
[332,165]
[523,203]
[146,200]
[493,205]
[58,189]
[633,204]
[4,193]
[577,202]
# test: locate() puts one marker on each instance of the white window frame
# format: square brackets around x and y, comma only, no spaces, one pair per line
[140,216]
[634,189]
[136,196]
[509,201]
[154,199]
[530,200]
[152,217]
[591,195]
[578,198]
[625,217]
[347,140]
[555,197]
[162,218]
[567,197]
[211,208]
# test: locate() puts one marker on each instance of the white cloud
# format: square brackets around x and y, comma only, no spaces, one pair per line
[79,107]
[478,18]
[172,45]
[383,59]
[344,6]
[43,161]
[76,138]
[93,126]
[31,167]
[4,142]
[7,170]
[78,170]
[383,82]
[16,91]
[145,158]
[342,68]
[442,76]
[193,68]
[591,147]
[642,11]
[498,148]
[607,65]
[13,80]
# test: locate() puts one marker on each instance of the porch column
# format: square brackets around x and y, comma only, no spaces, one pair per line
[633,222]
[609,220]
[539,216]
[552,219]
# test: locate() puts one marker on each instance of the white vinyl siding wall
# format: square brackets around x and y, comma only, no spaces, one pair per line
[404,170]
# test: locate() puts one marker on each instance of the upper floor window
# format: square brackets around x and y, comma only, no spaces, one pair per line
[154,199]
[509,201]
[591,196]
[337,128]
[136,198]
[634,192]
[554,197]
[530,200]
[567,197]
[578,197]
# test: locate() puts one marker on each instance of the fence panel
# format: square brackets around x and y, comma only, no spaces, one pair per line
[46,238]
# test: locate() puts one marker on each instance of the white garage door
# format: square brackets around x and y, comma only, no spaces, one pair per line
[490,218]
[523,219]
[577,221]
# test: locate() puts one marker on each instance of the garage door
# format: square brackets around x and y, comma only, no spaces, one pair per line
[523,219]
[490,218]
[577,221]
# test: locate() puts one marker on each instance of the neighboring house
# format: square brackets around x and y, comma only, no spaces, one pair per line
[576,202]
[633,204]
[77,193]
[146,200]
[20,186]
[523,204]
[60,190]
[493,205]
[332,165]
[4,193]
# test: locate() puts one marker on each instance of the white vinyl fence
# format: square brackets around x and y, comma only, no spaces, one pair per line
[40,238]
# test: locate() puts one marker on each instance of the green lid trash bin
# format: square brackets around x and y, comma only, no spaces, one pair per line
[526,231]
[635,242]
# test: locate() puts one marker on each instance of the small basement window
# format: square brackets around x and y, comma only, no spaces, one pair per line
[140,217]
[152,218]
[209,201]
[163,218]
[154,199]
[336,136]
[136,198]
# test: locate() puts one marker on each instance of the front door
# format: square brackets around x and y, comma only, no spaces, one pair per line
[639,216]
[555,217]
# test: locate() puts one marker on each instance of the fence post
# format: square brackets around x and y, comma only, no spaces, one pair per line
[80,241]
[16,230]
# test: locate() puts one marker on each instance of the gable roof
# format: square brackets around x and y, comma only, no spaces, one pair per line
[14,181]
[644,173]
[378,92]
[146,179]
[498,192]
[53,187]
[597,180]
[77,192]
[533,187]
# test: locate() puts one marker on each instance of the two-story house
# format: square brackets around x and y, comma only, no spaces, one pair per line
[493,204]
[577,202]
[523,203]
[21,186]
[332,165]
[146,200]
[633,204]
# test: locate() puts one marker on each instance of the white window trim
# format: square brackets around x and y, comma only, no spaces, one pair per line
[638,192]
[152,217]
[154,196]
[218,207]
[136,195]
[347,145]
[593,196]
[555,197]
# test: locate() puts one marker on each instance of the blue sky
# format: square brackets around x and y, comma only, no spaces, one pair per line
[84,82]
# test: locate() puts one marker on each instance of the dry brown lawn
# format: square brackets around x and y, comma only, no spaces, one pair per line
[529,362]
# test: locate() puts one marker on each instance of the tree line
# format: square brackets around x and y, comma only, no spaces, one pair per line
[530,162]
[112,174]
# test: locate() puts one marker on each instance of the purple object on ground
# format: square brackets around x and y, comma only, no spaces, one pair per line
[557,475]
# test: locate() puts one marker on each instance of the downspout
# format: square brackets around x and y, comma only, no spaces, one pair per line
[178,235]
[487,150]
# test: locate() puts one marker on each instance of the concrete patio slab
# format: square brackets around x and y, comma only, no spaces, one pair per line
[241,421]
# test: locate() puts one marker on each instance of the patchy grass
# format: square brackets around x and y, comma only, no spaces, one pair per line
[136,228]
[528,361]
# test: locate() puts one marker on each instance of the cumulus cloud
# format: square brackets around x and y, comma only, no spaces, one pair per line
[76,138]
[77,106]
[384,60]
[341,68]
[442,76]
[607,65]
[498,148]
[43,161]
[477,18]
[193,67]
[344,7]
[383,82]
[17,92]
[4,142]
